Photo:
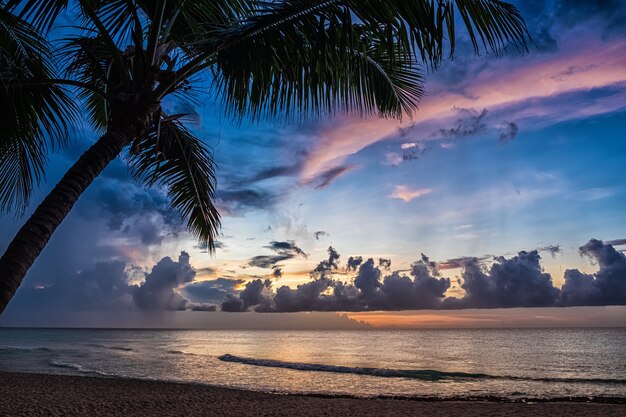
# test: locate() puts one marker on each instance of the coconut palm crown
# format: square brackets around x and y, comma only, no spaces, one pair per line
[278,59]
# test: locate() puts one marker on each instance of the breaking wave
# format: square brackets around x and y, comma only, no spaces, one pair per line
[80,368]
[420,374]
[423,374]
[121,348]
[24,349]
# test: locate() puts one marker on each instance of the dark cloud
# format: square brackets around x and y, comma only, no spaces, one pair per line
[324,179]
[157,292]
[329,264]
[211,291]
[274,172]
[553,250]
[204,307]
[131,210]
[508,132]
[368,292]
[319,234]
[354,262]
[384,263]
[255,293]
[105,286]
[469,123]
[286,247]
[605,287]
[277,273]
[617,242]
[515,282]
[284,251]
[368,278]
[518,281]
[238,201]
[268,261]
[455,263]
[306,297]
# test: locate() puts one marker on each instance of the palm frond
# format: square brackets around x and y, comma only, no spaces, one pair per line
[301,55]
[172,157]
[89,60]
[295,74]
[40,14]
[36,112]
[496,23]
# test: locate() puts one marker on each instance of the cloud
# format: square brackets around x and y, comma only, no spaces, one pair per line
[455,263]
[255,293]
[105,286]
[605,287]
[157,292]
[241,200]
[515,282]
[542,87]
[368,292]
[286,247]
[325,178]
[508,132]
[268,261]
[204,307]
[329,264]
[553,250]
[212,291]
[320,234]
[488,282]
[284,251]
[384,263]
[409,152]
[406,194]
[277,171]
[354,262]
[470,123]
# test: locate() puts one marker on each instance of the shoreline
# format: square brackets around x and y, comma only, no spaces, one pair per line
[26,394]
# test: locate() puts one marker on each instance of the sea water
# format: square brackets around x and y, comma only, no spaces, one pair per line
[515,363]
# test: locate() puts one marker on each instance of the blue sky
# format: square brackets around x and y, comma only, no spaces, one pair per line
[519,153]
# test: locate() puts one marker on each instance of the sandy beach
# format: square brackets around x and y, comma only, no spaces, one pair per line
[56,395]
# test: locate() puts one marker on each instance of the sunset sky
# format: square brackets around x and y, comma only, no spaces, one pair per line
[524,152]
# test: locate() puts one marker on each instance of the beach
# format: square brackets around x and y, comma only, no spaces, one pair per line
[62,395]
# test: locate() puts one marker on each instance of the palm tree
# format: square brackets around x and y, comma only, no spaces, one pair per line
[278,58]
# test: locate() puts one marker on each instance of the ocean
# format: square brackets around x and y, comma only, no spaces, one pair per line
[508,364]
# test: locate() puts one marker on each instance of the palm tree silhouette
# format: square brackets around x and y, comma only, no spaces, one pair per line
[280,58]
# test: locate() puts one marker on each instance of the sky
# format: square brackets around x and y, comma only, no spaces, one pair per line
[499,203]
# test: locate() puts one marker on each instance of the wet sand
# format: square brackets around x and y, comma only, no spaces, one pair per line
[57,395]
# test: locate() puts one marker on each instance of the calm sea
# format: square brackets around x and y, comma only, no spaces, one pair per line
[443,363]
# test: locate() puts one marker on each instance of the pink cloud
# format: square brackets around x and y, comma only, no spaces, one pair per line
[406,194]
[505,84]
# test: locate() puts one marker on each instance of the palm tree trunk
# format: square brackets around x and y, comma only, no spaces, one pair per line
[34,235]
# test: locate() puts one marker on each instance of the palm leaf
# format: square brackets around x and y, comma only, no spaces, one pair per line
[41,14]
[174,158]
[296,74]
[35,112]
[301,55]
